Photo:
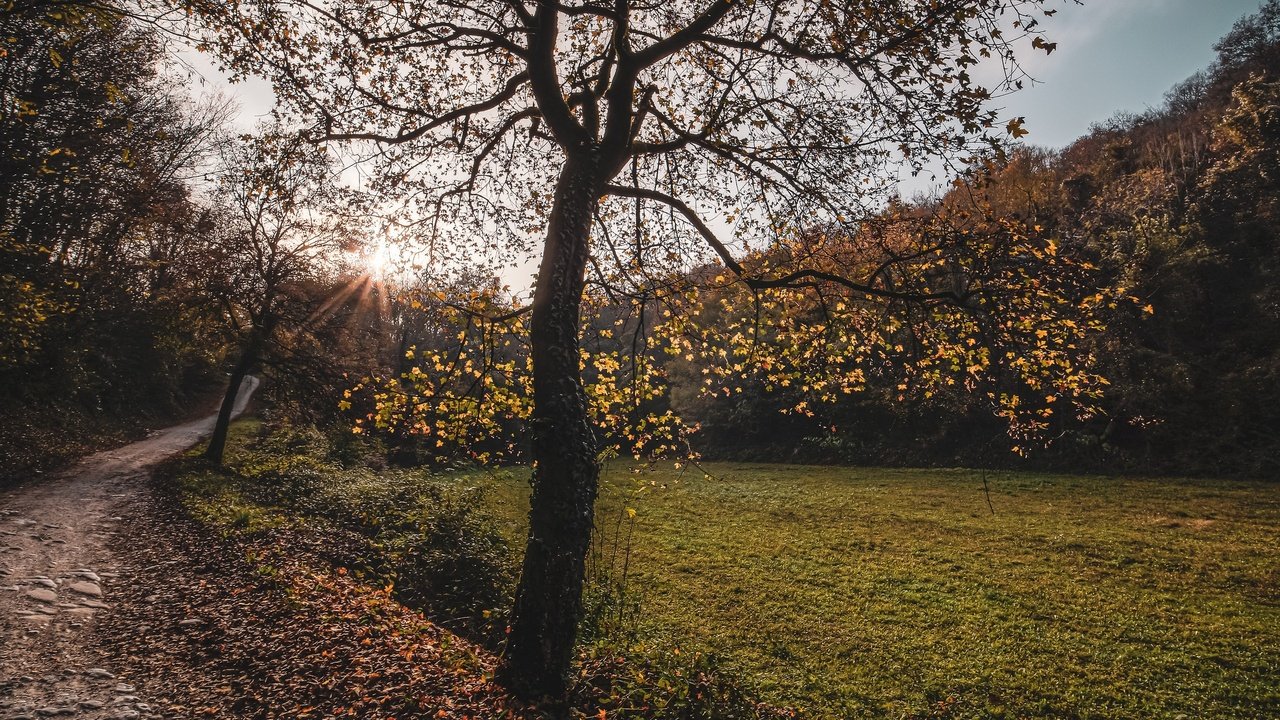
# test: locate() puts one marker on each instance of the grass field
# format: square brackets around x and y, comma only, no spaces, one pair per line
[869,593]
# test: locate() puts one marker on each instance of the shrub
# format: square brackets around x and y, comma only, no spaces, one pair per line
[429,538]
[447,557]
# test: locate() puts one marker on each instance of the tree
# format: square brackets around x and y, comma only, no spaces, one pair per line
[1251,40]
[506,121]
[103,318]
[281,227]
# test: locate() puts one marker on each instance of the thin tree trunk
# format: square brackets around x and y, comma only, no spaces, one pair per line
[248,356]
[548,606]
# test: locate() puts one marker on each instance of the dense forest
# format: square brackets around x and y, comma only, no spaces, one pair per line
[107,323]
[138,267]
[143,251]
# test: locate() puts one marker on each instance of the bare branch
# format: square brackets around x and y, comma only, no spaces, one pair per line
[509,91]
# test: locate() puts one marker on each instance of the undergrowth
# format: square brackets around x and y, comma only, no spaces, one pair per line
[426,538]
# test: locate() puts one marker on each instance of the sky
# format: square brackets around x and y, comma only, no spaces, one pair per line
[1112,56]
[1117,55]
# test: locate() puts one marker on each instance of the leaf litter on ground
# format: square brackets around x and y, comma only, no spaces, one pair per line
[257,627]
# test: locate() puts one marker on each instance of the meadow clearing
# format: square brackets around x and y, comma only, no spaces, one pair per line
[854,592]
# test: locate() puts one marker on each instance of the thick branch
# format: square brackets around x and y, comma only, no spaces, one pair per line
[810,278]
[797,279]
[545,80]
[675,203]
[685,37]
[509,91]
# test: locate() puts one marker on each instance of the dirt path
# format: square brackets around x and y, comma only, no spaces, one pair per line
[57,574]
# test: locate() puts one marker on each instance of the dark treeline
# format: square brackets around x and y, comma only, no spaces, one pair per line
[103,322]
[144,248]
[1178,206]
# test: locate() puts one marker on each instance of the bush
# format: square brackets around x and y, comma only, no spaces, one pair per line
[428,538]
[446,557]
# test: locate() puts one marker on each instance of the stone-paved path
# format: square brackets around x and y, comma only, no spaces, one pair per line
[57,573]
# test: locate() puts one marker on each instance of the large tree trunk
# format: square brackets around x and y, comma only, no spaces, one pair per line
[548,605]
[248,356]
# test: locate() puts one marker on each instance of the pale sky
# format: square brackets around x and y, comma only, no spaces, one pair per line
[1116,55]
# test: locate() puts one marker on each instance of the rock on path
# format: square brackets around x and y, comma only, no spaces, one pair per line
[57,574]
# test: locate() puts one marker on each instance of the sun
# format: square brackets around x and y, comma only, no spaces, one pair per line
[377,261]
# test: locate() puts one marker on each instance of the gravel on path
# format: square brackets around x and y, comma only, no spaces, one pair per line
[59,574]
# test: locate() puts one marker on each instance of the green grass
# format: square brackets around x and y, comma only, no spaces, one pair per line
[212,499]
[870,593]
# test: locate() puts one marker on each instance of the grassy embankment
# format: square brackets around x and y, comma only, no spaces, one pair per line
[898,593]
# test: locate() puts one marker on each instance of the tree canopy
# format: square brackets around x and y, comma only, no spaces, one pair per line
[772,116]
[101,300]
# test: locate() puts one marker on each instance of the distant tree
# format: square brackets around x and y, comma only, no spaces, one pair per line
[1252,38]
[282,228]
[506,121]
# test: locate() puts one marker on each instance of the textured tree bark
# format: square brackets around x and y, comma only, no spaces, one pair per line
[548,605]
[248,356]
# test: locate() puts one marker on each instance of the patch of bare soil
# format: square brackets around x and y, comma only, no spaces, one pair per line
[1191,523]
